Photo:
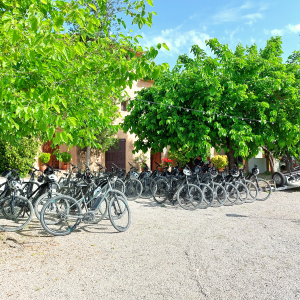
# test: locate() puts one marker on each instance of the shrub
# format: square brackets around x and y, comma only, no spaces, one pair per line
[220,161]
[44,158]
[19,156]
[66,157]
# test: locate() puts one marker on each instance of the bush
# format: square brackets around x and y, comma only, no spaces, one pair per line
[19,156]
[66,157]
[45,157]
[220,161]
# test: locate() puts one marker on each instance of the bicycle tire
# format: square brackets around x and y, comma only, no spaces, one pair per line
[208,195]
[243,192]
[148,189]
[119,185]
[51,217]
[253,191]
[233,194]
[28,189]
[220,194]
[264,189]
[161,190]
[133,189]
[39,203]
[189,196]
[118,209]
[22,206]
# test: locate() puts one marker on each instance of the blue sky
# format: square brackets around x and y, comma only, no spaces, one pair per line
[181,24]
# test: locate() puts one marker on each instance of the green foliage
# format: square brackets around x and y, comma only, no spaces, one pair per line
[44,158]
[64,157]
[180,156]
[20,155]
[51,77]
[220,161]
[244,83]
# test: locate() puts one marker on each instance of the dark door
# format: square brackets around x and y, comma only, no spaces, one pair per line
[117,157]
[155,157]
[46,148]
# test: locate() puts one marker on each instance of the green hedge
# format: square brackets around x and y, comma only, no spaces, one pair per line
[19,156]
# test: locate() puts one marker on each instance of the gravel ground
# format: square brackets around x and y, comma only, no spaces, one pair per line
[248,251]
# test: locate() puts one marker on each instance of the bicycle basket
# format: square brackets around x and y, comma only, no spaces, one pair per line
[187,172]
[235,173]
[134,175]
[214,173]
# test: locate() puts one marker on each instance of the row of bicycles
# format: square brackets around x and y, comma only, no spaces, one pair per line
[203,188]
[62,204]
[90,197]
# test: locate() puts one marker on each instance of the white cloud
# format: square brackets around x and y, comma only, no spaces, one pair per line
[204,28]
[252,40]
[237,13]
[277,32]
[233,33]
[287,29]
[253,16]
[193,16]
[179,42]
[247,5]
[264,7]
[293,28]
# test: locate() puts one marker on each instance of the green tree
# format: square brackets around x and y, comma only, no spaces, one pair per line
[51,77]
[245,83]
[19,155]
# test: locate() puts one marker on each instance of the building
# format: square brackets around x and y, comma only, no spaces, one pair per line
[120,157]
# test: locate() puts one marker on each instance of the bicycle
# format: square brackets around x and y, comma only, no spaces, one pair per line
[15,210]
[59,221]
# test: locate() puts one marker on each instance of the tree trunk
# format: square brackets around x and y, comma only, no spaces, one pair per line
[272,160]
[88,155]
[230,155]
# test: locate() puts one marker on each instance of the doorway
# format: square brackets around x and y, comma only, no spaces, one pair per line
[155,158]
[117,157]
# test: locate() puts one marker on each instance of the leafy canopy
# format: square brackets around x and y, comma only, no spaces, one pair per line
[53,78]
[245,83]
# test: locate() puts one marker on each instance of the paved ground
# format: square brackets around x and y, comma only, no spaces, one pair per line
[249,251]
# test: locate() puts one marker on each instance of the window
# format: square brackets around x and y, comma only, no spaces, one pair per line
[124,106]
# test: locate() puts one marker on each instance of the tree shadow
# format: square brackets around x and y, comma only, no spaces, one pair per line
[236,216]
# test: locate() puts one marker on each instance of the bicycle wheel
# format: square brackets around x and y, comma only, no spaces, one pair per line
[189,196]
[160,195]
[29,188]
[149,188]
[4,187]
[118,211]
[253,191]
[208,195]
[119,185]
[58,220]
[233,194]
[220,195]
[264,189]
[243,191]
[15,216]
[40,202]
[133,189]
